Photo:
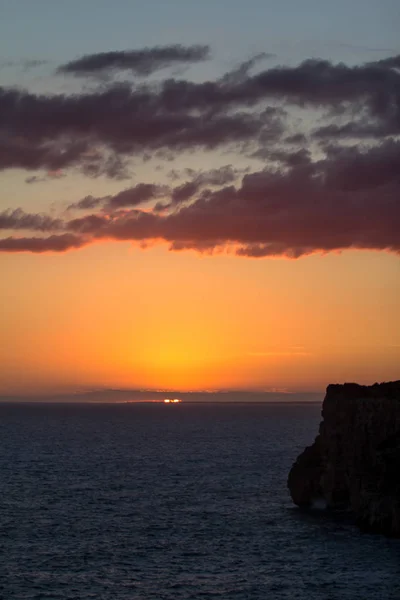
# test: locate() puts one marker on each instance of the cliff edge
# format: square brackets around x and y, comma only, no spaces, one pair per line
[354,462]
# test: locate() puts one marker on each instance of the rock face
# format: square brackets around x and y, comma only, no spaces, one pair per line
[354,463]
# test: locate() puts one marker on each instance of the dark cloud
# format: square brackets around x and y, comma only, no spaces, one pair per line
[184,192]
[18,151]
[141,193]
[134,196]
[290,159]
[200,179]
[319,82]
[272,249]
[146,192]
[349,169]
[350,199]
[296,139]
[57,154]
[358,129]
[391,62]
[99,131]
[54,243]
[88,224]
[222,176]
[87,203]
[96,131]
[141,62]
[313,83]
[300,201]
[242,72]
[19,219]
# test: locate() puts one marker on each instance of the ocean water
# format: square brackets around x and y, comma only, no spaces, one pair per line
[115,502]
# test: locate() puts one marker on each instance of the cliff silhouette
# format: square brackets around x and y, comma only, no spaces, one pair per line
[354,462]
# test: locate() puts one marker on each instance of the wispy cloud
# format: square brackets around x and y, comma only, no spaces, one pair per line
[141,62]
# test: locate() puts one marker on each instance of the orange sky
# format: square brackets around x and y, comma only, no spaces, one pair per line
[117,316]
[244,151]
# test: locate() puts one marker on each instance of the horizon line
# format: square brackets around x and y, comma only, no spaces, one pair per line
[147,391]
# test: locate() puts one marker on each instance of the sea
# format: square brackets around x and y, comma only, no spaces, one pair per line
[172,502]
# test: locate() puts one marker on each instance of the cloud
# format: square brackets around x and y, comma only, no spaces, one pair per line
[100,131]
[146,192]
[312,83]
[54,243]
[134,196]
[28,152]
[88,224]
[19,219]
[391,62]
[87,203]
[296,138]
[141,62]
[142,192]
[213,177]
[241,72]
[349,199]
[335,188]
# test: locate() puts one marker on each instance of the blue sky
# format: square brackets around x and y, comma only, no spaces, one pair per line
[340,30]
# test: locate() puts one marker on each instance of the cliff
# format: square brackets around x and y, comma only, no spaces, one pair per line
[354,462]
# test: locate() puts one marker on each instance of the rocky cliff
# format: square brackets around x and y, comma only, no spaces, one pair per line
[354,462]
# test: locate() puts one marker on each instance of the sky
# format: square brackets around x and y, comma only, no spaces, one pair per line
[199,196]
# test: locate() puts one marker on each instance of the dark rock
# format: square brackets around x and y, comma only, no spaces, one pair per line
[354,463]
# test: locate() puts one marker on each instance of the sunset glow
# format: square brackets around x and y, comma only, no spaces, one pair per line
[174,220]
[119,318]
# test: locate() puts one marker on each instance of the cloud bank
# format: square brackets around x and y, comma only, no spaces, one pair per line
[331,185]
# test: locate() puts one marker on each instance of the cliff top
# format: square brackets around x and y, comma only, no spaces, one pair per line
[354,390]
